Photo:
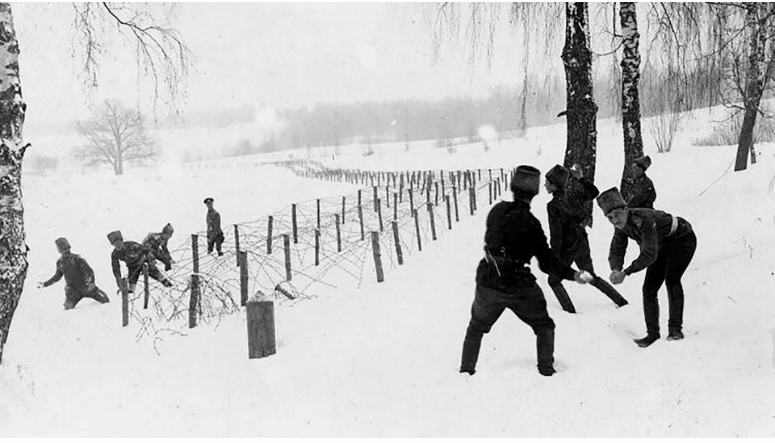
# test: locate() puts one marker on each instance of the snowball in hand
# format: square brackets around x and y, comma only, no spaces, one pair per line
[586,277]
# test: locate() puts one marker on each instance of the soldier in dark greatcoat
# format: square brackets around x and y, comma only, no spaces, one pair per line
[134,255]
[667,244]
[214,232]
[568,236]
[503,277]
[79,277]
[642,193]
[156,242]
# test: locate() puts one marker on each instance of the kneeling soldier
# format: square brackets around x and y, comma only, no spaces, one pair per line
[667,244]
[79,277]
[156,242]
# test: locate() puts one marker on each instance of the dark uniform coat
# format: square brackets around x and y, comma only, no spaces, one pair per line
[157,244]
[134,255]
[214,232]
[667,244]
[643,193]
[79,280]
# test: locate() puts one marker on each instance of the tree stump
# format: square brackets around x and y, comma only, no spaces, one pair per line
[261,336]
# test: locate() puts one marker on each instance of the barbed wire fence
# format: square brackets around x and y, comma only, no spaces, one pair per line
[315,247]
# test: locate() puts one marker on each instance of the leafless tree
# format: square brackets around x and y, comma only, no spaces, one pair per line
[166,59]
[115,135]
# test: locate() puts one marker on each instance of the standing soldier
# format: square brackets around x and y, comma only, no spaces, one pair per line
[214,232]
[667,244]
[79,277]
[642,194]
[568,236]
[134,255]
[156,242]
[503,278]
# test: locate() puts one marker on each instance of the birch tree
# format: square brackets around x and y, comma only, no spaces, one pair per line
[631,128]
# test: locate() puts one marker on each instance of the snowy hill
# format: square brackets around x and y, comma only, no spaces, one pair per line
[381,360]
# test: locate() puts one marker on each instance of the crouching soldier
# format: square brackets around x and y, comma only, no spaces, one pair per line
[79,277]
[503,279]
[156,242]
[568,236]
[667,244]
[642,194]
[134,255]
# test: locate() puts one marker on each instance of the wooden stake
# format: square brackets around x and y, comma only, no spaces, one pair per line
[338,234]
[377,256]
[449,212]
[243,276]
[194,301]
[399,252]
[269,223]
[433,221]
[236,241]
[287,248]
[317,247]
[293,223]
[195,252]
[124,302]
[454,197]
[147,290]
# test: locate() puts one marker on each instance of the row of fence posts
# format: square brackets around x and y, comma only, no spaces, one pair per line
[261,338]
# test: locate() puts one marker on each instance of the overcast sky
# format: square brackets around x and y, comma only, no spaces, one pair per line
[274,55]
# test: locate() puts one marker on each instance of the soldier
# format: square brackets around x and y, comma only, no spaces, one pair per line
[503,278]
[214,232]
[642,194]
[568,236]
[79,277]
[156,242]
[667,244]
[134,255]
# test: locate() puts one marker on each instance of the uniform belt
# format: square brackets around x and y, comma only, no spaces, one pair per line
[673,225]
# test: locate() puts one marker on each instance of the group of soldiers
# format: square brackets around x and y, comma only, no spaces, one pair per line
[514,236]
[79,276]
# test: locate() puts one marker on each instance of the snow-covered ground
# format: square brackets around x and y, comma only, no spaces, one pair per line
[382,360]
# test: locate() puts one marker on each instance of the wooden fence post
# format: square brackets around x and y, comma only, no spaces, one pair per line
[449,212]
[287,247]
[395,206]
[489,188]
[417,229]
[261,328]
[318,213]
[338,234]
[436,195]
[377,256]
[411,200]
[124,302]
[195,252]
[375,199]
[194,301]
[343,206]
[147,290]
[360,219]
[399,252]
[379,214]
[317,247]
[269,223]
[433,221]
[243,276]
[454,197]
[471,199]
[236,241]
[293,223]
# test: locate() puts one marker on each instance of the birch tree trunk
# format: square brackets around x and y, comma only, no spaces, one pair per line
[633,142]
[581,110]
[754,83]
[13,249]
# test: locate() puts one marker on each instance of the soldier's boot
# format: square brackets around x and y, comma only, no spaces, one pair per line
[651,314]
[609,291]
[545,351]
[471,347]
[563,298]
[675,298]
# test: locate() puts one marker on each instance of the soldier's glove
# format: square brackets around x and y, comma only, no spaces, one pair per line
[167,266]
